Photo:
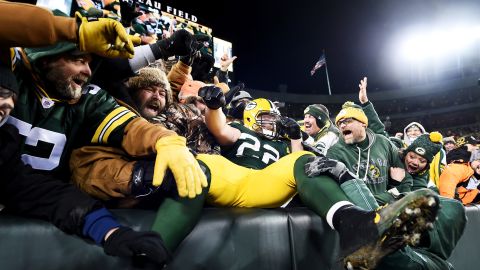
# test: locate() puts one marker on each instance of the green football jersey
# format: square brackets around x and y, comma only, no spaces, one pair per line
[52,129]
[251,150]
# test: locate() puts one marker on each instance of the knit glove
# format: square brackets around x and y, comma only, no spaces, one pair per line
[125,242]
[213,97]
[323,165]
[105,37]
[172,153]
[181,43]
[290,128]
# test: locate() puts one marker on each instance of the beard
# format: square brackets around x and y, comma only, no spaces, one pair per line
[63,86]
[151,108]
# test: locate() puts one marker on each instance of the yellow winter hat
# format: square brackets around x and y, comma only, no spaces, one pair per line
[351,110]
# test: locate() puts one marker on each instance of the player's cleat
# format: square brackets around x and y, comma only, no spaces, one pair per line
[400,223]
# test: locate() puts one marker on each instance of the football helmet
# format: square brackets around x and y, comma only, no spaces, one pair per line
[261,116]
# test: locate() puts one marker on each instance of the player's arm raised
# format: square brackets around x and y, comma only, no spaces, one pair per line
[215,118]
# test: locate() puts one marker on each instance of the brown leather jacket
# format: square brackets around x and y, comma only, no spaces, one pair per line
[106,172]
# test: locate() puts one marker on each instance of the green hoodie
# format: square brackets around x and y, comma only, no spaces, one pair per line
[377,154]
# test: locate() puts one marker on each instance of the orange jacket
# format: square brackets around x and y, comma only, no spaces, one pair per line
[458,178]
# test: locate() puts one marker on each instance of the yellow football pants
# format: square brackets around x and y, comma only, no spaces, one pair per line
[237,186]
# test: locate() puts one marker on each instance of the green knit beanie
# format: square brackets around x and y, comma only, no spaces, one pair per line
[426,145]
[321,117]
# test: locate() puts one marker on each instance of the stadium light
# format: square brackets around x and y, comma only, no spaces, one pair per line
[423,44]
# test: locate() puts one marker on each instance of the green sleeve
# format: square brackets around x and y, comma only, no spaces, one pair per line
[374,122]
[332,152]
[106,119]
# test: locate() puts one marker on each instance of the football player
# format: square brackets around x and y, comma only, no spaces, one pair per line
[258,171]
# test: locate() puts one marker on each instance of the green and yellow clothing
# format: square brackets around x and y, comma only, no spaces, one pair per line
[447,228]
[258,172]
[439,160]
[254,151]
[437,166]
[371,161]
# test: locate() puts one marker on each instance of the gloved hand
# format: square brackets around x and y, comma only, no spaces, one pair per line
[202,67]
[322,165]
[104,37]
[129,12]
[173,153]
[125,242]
[213,96]
[290,128]
[181,43]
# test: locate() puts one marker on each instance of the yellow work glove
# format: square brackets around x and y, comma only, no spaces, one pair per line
[105,37]
[173,153]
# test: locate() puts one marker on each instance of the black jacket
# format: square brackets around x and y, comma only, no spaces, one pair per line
[28,193]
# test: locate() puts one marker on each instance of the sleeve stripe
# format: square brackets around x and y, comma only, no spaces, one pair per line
[120,121]
[109,120]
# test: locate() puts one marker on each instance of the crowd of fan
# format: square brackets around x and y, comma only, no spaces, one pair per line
[171,104]
[449,120]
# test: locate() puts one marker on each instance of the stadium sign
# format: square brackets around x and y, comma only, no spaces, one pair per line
[176,12]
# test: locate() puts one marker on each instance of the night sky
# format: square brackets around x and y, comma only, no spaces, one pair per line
[278,42]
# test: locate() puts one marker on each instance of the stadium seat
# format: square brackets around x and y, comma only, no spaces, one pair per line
[292,238]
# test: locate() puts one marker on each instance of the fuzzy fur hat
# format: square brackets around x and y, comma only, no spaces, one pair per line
[147,77]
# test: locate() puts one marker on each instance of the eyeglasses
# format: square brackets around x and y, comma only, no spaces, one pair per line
[345,121]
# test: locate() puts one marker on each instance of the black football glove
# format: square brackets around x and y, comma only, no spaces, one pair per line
[181,43]
[290,128]
[323,165]
[202,67]
[213,97]
[125,242]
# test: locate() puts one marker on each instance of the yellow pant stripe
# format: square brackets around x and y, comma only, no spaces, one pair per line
[236,186]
